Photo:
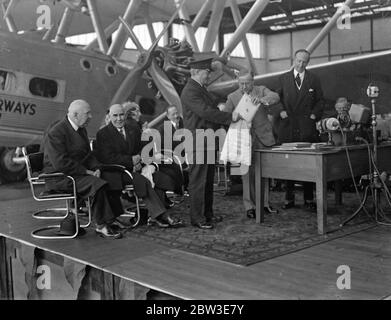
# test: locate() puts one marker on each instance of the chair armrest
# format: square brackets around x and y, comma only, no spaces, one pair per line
[112,167]
[116,168]
[51,175]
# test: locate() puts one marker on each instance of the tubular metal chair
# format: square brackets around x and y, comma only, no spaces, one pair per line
[37,181]
[133,212]
[168,157]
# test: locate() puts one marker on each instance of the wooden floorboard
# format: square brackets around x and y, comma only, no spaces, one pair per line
[305,274]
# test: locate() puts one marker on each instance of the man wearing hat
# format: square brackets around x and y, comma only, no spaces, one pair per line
[261,132]
[200,112]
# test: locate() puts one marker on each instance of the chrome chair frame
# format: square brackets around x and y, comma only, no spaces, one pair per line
[135,217]
[40,180]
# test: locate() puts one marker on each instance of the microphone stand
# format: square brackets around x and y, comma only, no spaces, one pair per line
[374,185]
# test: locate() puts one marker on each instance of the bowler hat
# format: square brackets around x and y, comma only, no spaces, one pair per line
[68,226]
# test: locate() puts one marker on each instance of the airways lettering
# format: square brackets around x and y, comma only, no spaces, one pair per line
[17,107]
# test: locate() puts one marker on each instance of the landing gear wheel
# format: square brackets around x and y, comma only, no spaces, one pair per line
[10,171]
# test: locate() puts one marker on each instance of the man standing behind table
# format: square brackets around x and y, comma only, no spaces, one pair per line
[302,100]
[261,133]
[200,112]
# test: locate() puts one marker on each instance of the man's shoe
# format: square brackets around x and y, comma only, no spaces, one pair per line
[205,225]
[270,209]
[157,222]
[215,219]
[174,223]
[310,205]
[251,214]
[120,225]
[106,232]
[288,205]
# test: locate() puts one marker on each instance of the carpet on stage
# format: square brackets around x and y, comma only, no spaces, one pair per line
[241,241]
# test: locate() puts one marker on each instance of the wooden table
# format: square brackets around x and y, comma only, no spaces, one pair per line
[319,166]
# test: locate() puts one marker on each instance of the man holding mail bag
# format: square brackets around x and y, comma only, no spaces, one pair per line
[259,128]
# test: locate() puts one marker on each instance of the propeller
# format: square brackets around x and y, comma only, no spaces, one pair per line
[146,62]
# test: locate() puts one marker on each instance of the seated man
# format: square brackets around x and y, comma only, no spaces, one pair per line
[115,145]
[67,150]
[168,177]
[171,124]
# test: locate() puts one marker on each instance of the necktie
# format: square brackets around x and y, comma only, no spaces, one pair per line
[122,132]
[298,80]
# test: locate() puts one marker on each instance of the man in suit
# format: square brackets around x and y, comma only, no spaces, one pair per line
[201,112]
[115,145]
[302,100]
[261,133]
[167,129]
[67,150]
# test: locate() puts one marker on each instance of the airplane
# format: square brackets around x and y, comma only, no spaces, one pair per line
[40,74]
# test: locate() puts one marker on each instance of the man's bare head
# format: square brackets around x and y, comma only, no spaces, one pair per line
[117,115]
[79,112]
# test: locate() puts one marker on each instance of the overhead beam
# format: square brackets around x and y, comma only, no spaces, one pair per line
[201,15]
[327,28]
[65,23]
[148,22]
[97,24]
[245,26]
[238,19]
[189,31]
[120,40]
[108,32]
[9,20]
[214,24]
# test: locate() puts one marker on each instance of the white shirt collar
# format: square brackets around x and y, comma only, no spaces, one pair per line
[74,125]
[173,123]
[295,73]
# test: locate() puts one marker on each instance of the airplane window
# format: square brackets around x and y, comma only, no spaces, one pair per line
[111,70]
[43,87]
[85,64]
[7,80]
[3,77]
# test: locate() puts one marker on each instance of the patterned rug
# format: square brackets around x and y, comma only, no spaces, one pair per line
[241,241]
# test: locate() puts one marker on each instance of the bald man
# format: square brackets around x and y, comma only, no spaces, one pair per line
[67,150]
[116,144]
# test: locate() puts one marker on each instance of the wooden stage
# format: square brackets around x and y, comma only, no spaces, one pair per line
[90,267]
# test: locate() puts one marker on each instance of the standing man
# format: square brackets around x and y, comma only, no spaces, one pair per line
[302,100]
[201,112]
[261,133]
[67,150]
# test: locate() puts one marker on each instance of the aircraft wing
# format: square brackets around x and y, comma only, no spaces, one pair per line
[343,78]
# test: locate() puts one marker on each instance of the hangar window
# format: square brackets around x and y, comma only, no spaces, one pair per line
[7,80]
[43,87]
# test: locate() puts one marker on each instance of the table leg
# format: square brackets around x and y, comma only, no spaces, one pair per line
[338,192]
[321,195]
[259,190]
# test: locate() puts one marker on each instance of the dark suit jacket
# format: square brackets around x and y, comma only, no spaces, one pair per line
[112,148]
[200,110]
[261,127]
[299,105]
[68,151]
[167,136]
